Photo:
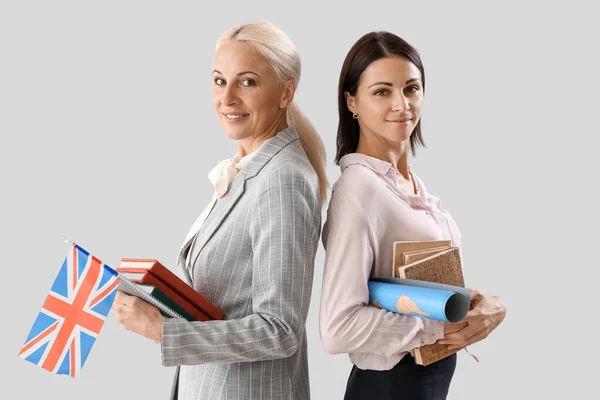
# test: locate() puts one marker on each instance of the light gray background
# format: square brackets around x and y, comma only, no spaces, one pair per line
[107,133]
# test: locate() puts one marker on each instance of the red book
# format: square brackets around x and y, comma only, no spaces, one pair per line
[152,272]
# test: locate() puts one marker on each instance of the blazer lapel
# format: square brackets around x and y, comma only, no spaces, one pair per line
[193,231]
[220,210]
[224,205]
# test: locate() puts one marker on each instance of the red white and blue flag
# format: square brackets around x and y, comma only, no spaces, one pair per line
[72,315]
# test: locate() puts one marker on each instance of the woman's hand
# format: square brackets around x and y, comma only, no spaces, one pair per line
[138,316]
[451,328]
[486,313]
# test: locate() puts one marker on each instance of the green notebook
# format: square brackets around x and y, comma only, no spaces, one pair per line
[154,296]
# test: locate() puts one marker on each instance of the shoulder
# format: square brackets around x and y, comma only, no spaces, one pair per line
[288,181]
[290,165]
[357,181]
[357,187]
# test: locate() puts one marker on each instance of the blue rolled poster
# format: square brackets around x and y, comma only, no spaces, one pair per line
[420,299]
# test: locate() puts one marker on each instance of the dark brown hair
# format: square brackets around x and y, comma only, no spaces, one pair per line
[371,47]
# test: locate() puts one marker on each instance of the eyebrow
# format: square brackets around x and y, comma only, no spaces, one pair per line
[241,73]
[390,83]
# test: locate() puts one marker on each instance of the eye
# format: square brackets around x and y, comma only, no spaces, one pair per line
[219,81]
[248,82]
[381,92]
[413,89]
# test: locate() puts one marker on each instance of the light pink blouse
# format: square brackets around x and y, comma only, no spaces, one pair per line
[367,213]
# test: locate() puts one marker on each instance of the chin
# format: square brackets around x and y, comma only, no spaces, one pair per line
[235,134]
[398,137]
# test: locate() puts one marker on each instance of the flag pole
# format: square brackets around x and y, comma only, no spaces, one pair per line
[67,240]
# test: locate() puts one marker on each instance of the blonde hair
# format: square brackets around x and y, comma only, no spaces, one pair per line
[280,52]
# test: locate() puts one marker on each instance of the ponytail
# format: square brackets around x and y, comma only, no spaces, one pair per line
[312,145]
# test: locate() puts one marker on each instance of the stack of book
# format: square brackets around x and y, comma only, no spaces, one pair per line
[428,283]
[151,281]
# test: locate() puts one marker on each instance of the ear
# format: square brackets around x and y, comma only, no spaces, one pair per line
[287,95]
[350,102]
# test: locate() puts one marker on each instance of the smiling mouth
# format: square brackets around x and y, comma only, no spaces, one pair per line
[234,117]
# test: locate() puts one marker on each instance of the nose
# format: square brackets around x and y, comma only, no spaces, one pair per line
[228,95]
[400,103]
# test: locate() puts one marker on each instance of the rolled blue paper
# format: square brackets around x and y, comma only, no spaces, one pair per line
[436,304]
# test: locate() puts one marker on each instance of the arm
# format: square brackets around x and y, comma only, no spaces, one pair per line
[347,323]
[284,228]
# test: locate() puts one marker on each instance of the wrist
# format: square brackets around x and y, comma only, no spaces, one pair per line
[158,328]
[433,328]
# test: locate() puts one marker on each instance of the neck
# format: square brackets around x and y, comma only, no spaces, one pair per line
[250,144]
[393,152]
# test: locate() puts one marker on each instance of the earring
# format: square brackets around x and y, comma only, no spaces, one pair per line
[354,116]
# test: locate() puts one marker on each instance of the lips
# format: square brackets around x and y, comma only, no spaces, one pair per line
[399,121]
[235,116]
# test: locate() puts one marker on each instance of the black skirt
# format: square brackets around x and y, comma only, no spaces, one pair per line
[406,380]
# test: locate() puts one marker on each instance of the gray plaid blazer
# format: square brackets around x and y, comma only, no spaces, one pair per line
[254,259]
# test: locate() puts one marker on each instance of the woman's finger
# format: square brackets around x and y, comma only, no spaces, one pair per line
[475,294]
[454,327]
[124,299]
[461,336]
[474,339]
[118,313]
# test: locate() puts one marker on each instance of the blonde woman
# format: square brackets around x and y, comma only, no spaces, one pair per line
[252,252]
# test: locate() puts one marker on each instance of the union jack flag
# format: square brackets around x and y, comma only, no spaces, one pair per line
[72,315]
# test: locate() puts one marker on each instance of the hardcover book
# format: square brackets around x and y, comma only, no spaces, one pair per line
[135,289]
[429,261]
[152,272]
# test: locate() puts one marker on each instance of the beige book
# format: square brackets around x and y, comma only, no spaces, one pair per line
[410,246]
[443,266]
[434,261]
[417,255]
